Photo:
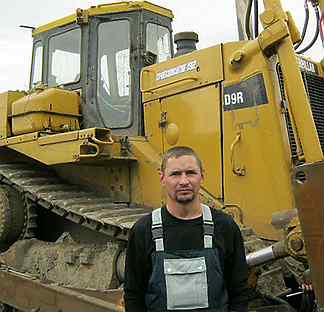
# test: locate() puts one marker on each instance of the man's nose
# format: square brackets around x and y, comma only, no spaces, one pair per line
[184,179]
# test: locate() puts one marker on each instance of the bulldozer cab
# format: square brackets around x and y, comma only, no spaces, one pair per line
[99,52]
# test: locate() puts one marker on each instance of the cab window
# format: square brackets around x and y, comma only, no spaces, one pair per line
[37,64]
[158,41]
[64,58]
[114,73]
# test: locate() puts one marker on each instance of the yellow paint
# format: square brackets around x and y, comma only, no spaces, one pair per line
[46,110]
[172,134]
[58,138]
[145,184]
[88,144]
[183,109]
[245,152]
[263,150]
[197,117]
[208,69]
[20,139]
[296,93]
[6,100]
[106,9]
[192,100]
[152,118]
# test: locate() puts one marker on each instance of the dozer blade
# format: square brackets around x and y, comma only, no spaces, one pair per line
[309,195]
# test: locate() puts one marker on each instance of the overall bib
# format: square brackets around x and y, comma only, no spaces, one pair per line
[186,279]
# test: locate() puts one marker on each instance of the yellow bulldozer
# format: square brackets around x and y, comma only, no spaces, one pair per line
[80,152]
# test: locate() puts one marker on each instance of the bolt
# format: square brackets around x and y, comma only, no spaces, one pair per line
[268,17]
[237,57]
[296,244]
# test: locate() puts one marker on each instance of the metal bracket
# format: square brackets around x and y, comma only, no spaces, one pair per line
[82,16]
[163,120]
[272,35]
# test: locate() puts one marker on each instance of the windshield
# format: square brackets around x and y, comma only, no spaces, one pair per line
[114,74]
[64,58]
[158,41]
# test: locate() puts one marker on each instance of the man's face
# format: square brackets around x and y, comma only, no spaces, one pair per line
[182,178]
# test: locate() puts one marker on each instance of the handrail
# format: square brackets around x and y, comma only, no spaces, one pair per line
[239,171]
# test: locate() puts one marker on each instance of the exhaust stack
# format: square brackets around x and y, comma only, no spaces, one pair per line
[186,42]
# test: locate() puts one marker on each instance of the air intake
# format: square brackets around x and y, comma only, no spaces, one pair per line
[314,85]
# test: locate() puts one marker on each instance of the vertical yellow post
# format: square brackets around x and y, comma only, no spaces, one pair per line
[297,96]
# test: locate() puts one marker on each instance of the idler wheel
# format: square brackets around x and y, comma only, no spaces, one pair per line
[12,216]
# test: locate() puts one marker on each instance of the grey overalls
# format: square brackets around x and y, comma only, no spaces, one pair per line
[186,279]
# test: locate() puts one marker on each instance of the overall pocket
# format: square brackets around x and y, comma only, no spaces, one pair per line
[186,283]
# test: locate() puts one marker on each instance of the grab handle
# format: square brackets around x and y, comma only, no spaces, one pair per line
[237,170]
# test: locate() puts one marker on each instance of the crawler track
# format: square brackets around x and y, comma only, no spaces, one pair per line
[40,186]
[43,187]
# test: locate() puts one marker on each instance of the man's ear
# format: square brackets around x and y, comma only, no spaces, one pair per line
[162,176]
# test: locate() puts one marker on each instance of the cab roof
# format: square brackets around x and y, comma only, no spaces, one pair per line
[125,6]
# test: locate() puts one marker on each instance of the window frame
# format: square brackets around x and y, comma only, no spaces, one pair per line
[69,28]
[157,23]
[32,69]
[102,20]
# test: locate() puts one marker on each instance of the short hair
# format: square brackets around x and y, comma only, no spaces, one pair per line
[178,151]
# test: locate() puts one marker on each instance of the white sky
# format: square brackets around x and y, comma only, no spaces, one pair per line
[213,20]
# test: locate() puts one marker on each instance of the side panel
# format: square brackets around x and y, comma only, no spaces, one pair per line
[145,183]
[182,107]
[6,100]
[193,119]
[255,144]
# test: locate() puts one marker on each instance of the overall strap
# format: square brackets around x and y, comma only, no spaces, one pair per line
[208,227]
[157,229]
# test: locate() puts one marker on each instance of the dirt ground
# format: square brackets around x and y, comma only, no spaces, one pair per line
[66,262]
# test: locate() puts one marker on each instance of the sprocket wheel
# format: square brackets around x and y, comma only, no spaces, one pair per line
[13,216]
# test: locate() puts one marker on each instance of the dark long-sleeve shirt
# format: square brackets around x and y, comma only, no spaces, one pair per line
[185,235]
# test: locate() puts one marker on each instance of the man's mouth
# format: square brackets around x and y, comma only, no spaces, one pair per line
[184,191]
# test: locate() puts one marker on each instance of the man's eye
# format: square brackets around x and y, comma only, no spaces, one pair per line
[191,172]
[176,173]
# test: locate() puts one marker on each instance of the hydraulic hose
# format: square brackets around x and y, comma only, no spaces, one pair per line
[256,18]
[305,25]
[316,33]
[247,20]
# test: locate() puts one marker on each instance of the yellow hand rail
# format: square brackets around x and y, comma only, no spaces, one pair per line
[239,171]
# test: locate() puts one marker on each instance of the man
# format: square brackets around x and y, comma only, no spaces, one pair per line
[185,256]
